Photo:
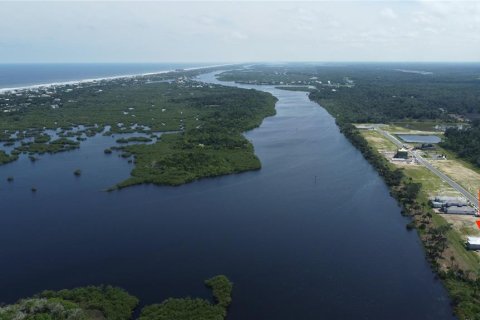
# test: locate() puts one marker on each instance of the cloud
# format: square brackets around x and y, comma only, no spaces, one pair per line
[239,35]
[240,31]
[388,13]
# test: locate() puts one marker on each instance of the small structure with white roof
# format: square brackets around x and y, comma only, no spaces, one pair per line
[473,243]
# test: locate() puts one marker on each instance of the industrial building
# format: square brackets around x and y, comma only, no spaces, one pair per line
[473,243]
[452,205]
[456,203]
[402,154]
[460,210]
[447,199]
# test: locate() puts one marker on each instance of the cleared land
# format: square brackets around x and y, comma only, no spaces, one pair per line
[379,141]
[466,177]
[431,183]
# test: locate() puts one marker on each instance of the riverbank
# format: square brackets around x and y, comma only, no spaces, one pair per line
[444,248]
[257,227]
[112,303]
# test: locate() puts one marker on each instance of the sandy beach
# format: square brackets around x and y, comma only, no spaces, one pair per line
[74,82]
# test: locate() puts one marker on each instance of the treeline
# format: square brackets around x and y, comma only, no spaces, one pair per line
[102,302]
[111,303]
[216,146]
[463,286]
[379,93]
[464,142]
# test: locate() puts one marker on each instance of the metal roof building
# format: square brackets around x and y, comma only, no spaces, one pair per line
[447,199]
[473,243]
[457,203]
[436,204]
[460,210]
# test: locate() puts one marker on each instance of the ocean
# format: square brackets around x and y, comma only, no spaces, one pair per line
[22,75]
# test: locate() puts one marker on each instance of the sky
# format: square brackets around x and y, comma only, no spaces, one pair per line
[239,31]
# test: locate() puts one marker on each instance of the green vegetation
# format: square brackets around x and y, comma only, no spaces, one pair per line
[207,122]
[110,303]
[113,303]
[43,309]
[6,158]
[55,146]
[172,161]
[379,93]
[222,290]
[104,302]
[193,309]
[465,295]
[216,147]
[144,100]
[465,143]
[43,138]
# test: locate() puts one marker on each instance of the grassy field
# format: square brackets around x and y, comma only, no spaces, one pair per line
[431,184]
[455,169]
[379,141]
[417,125]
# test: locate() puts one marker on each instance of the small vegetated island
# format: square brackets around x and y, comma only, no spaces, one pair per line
[204,124]
[111,303]
[441,99]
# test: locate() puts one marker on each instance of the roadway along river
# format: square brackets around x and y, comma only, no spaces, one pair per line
[295,247]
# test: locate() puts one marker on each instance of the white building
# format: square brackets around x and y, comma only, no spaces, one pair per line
[473,243]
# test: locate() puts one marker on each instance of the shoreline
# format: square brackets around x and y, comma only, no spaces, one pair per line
[90,80]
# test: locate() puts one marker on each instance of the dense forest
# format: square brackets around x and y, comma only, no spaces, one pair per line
[386,93]
[214,147]
[464,142]
[111,303]
[380,93]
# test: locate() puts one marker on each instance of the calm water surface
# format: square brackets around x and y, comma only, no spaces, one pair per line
[296,247]
[19,75]
[419,138]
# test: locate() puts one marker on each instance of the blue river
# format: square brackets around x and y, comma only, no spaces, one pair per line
[312,235]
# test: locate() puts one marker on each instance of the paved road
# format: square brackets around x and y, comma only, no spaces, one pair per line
[473,200]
